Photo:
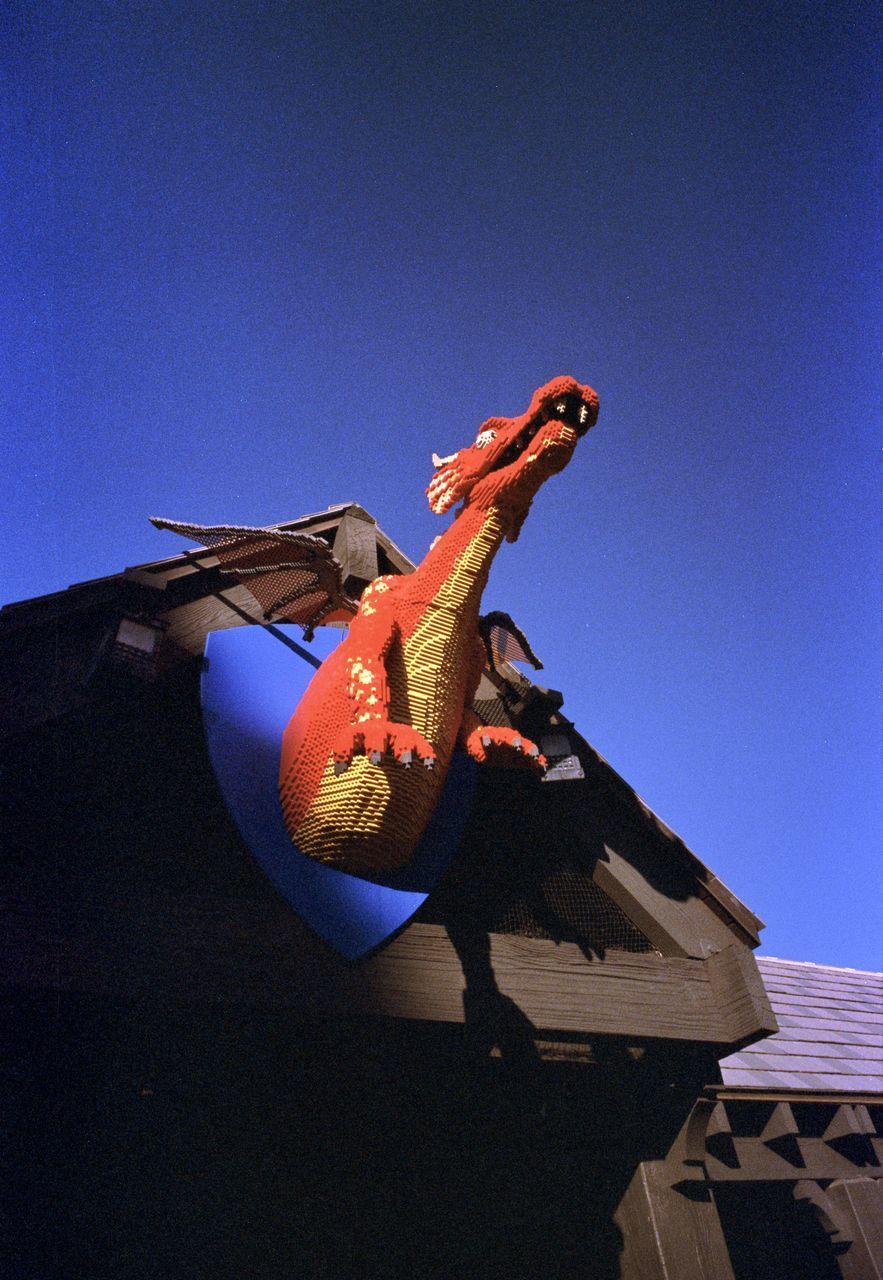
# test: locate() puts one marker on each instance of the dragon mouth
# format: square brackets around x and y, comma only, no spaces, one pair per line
[570,409]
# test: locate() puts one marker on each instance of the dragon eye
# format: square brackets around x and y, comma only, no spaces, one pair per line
[485,438]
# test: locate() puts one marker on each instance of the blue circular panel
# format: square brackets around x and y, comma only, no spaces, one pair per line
[253,679]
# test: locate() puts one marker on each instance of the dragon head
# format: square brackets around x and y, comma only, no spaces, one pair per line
[512,457]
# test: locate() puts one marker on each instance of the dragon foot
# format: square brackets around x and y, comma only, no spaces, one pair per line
[378,739]
[490,744]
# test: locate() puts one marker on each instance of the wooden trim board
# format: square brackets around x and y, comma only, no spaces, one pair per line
[192,950]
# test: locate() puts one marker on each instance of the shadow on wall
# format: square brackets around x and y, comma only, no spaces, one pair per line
[528,856]
[156,1143]
[226,1140]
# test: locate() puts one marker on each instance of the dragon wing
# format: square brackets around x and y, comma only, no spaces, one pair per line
[503,639]
[294,577]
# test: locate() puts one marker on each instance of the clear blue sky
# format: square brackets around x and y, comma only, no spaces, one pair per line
[259,258]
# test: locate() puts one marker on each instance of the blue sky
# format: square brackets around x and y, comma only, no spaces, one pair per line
[262,258]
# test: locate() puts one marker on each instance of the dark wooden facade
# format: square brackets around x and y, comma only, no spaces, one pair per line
[526,1080]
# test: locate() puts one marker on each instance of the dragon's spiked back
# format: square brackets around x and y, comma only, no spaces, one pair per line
[511,457]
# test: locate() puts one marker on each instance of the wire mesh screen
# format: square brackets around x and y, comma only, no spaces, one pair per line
[573,906]
[563,904]
[527,859]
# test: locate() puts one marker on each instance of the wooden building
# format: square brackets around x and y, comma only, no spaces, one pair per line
[569,1064]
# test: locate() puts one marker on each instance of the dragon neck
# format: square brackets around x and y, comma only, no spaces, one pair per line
[456,569]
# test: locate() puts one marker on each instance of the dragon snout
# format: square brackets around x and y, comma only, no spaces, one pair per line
[578,411]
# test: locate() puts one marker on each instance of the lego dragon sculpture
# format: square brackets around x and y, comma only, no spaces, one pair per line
[365,753]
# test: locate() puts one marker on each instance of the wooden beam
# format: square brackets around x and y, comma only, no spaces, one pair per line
[420,975]
[738,917]
[667,1235]
[189,624]
[754,1160]
[681,928]
[714,1140]
[859,1203]
[738,991]
[785,1093]
[355,546]
[191,949]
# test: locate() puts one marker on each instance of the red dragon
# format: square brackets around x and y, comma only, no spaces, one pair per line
[365,753]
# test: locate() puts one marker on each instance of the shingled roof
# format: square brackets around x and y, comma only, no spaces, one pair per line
[830,1035]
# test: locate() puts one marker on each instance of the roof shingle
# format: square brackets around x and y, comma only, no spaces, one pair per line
[830,1033]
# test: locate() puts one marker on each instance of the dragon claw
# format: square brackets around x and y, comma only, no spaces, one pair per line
[490,744]
[382,739]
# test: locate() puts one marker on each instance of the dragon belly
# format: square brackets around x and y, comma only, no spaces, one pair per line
[370,816]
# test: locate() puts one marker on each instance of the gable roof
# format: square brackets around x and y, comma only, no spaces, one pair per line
[189,576]
[53,646]
[830,1035]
